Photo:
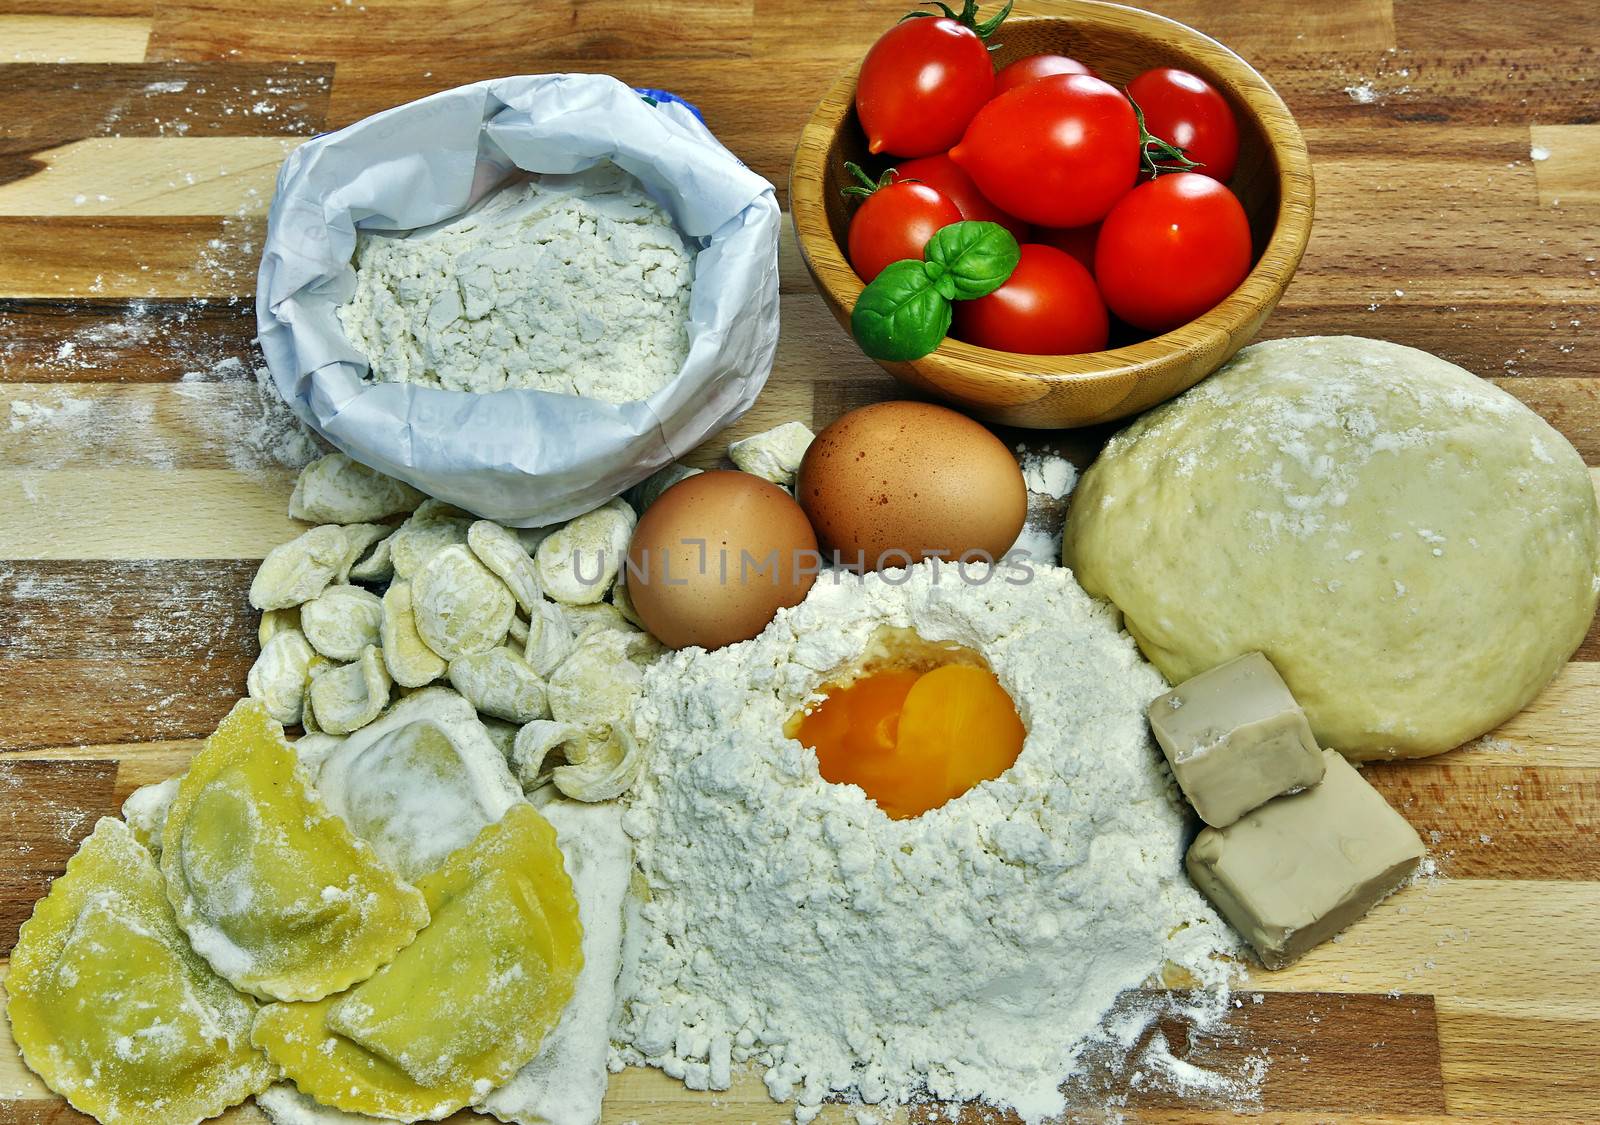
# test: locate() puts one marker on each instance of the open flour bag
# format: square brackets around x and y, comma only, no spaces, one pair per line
[519,456]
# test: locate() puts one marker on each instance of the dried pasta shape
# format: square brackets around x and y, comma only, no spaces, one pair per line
[501,683]
[341,621]
[271,887]
[275,621]
[299,570]
[596,686]
[409,659]
[586,619]
[146,810]
[536,743]
[460,606]
[502,553]
[349,697]
[362,539]
[517,633]
[421,537]
[466,1005]
[375,564]
[281,674]
[111,1007]
[336,489]
[550,638]
[578,563]
[624,602]
[420,782]
[610,765]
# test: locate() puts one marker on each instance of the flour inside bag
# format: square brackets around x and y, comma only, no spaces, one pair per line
[564,286]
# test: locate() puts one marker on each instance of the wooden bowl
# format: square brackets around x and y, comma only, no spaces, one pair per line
[1273,181]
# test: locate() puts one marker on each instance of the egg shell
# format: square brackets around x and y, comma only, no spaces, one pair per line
[897,482]
[696,569]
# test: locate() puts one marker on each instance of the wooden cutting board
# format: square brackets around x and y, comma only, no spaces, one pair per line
[138,485]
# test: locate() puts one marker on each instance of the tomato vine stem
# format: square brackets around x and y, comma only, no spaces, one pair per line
[1156,155]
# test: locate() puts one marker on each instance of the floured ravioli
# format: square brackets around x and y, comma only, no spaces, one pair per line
[462,1008]
[417,784]
[111,1007]
[271,887]
[566,1082]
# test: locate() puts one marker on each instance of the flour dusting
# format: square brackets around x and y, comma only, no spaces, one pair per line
[966,954]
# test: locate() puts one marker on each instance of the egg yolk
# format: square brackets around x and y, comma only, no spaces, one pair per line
[913,739]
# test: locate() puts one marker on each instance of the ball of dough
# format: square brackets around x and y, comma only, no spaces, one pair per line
[1416,551]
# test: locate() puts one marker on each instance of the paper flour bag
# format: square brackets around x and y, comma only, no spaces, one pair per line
[522,457]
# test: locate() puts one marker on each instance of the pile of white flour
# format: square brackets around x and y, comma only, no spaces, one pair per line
[966,954]
[575,284]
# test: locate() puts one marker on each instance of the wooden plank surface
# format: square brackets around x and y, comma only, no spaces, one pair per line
[143,469]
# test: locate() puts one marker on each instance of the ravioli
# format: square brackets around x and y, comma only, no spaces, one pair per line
[111,1007]
[462,1008]
[419,783]
[272,888]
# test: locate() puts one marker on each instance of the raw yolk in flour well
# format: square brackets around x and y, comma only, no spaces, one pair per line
[913,739]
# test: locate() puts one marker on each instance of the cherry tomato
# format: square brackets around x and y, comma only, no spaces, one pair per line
[1049,306]
[1077,241]
[895,222]
[1172,249]
[1186,110]
[1057,152]
[920,85]
[1033,68]
[946,177]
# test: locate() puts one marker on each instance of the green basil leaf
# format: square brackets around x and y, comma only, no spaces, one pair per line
[900,315]
[976,257]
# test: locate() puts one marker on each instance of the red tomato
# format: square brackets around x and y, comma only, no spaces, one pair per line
[920,85]
[1186,110]
[1033,68]
[1172,249]
[896,222]
[1057,152]
[1077,241]
[946,177]
[1048,306]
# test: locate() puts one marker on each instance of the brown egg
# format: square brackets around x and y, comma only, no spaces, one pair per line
[716,556]
[897,482]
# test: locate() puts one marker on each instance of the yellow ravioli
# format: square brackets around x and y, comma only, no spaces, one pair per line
[111,1007]
[271,887]
[466,1005]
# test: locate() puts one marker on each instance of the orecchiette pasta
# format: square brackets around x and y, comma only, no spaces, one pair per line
[536,743]
[281,674]
[274,621]
[376,564]
[349,697]
[578,563]
[459,605]
[550,638]
[363,539]
[420,538]
[501,683]
[597,685]
[342,621]
[299,570]
[335,489]
[502,553]
[409,659]
[610,765]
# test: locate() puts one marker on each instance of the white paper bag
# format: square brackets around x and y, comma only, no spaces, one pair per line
[521,457]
